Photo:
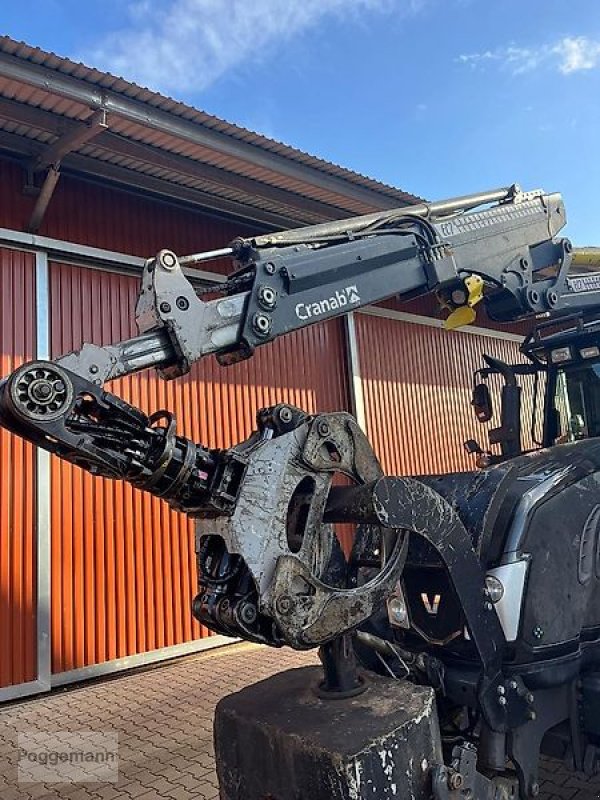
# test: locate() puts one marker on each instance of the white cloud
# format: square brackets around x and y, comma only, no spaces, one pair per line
[179,45]
[567,55]
[577,54]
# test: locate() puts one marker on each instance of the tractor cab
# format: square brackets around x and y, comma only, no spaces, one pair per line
[552,398]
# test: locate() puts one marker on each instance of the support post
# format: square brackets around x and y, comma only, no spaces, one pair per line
[44,654]
[357,399]
[43,200]
[51,157]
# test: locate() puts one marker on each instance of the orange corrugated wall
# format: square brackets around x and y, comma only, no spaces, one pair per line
[417,383]
[124,573]
[17,482]
[104,216]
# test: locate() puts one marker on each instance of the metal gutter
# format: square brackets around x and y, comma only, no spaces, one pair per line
[96,97]
[357,397]
[43,515]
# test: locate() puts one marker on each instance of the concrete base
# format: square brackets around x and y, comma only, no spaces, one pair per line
[277,740]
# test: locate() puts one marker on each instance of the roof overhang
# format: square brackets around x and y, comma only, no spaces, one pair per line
[53,110]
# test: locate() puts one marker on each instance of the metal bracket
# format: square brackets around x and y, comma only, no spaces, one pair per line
[72,140]
[462,781]
[167,300]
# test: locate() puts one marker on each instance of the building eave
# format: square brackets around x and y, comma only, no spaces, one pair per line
[151,139]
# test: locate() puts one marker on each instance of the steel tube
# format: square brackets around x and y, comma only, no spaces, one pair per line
[354,224]
[586,257]
[197,258]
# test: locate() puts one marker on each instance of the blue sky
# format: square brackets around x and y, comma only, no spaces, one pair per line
[438,97]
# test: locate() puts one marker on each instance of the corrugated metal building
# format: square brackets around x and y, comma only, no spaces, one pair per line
[97,174]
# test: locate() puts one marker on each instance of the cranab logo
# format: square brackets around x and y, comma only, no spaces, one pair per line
[348,296]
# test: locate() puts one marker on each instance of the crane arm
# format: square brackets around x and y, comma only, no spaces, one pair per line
[507,254]
[499,248]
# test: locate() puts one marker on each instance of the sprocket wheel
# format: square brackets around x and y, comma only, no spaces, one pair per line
[40,391]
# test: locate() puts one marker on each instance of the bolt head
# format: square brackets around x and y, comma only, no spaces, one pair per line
[267,297]
[261,324]
[494,588]
[284,604]
[502,700]
[168,259]
[285,414]
[455,781]
[248,613]
[323,428]
[165,308]
[397,611]
[41,390]
[270,268]
[182,303]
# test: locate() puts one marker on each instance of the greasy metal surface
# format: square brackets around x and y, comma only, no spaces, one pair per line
[17,482]
[123,567]
[195,327]
[291,564]
[417,383]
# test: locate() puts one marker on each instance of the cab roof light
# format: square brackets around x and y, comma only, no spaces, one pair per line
[560,355]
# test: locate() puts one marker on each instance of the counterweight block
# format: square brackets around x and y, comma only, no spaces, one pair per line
[279,740]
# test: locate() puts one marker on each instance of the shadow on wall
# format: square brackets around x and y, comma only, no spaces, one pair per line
[417,382]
